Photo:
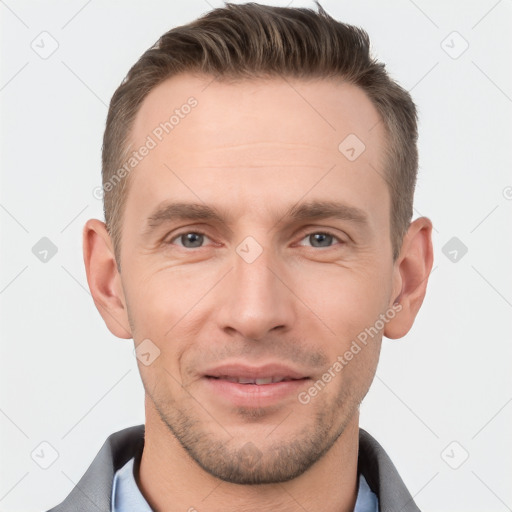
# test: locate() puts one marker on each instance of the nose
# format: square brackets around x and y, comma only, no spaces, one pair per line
[256,297]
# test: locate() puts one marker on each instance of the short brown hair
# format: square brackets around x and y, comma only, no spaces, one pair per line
[257,41]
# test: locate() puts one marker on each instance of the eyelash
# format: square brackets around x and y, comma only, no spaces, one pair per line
[328,233]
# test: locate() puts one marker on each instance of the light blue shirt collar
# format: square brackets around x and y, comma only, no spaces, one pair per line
[126,496]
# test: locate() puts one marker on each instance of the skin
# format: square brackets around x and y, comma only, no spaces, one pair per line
[253,149]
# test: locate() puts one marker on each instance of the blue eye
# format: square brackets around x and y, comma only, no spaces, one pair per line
[196,239]
[322,238]
[190,239]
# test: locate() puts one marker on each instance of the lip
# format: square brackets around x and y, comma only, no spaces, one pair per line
[253,395]
[255,372]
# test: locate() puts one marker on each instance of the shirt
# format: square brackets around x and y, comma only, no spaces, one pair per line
[126,495]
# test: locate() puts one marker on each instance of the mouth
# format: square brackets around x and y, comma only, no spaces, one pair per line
[270,373]
[249,386]
[262,381]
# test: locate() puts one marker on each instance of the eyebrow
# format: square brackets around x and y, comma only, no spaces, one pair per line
[313,210]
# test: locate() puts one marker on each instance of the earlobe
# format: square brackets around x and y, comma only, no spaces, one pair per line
[104,279]
[412,270]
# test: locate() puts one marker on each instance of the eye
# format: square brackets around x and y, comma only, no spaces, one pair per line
[189,239]
[322,239]
[196,239]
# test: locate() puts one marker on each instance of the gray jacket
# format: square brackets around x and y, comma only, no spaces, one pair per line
[94,490]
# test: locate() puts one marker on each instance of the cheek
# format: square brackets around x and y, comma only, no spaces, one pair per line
[161,297]
[163,307]
[346,301]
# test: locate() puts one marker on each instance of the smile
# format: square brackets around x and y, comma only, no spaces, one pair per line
[260,381]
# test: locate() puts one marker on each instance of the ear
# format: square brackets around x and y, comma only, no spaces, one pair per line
[411,272]
[104,279]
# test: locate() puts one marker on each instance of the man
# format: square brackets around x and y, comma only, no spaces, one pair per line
[258,174]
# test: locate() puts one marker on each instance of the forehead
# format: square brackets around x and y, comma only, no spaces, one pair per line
[259,134]
[273,110]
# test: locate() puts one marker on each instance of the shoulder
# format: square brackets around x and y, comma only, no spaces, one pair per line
[94,489]
[382,476]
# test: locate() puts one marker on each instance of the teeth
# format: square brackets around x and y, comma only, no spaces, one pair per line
[245,380]
[267,380]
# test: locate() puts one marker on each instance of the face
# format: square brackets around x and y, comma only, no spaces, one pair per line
[253,250]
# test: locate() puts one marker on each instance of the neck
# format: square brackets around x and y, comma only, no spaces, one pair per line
[171,480]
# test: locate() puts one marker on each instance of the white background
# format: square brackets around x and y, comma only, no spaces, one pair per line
[67,381]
